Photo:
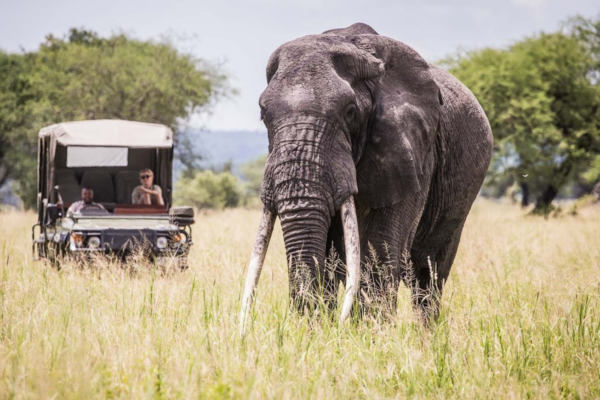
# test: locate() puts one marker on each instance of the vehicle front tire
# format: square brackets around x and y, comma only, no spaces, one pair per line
[182,262]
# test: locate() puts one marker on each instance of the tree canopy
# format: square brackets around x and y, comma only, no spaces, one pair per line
[542,98]
[83,76]
[253,172]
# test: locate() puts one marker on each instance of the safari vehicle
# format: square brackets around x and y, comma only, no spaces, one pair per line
[106,156]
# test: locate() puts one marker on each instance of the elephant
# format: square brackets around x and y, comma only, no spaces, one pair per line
[374,154]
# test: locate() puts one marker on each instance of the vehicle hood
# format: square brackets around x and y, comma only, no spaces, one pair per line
[112,222]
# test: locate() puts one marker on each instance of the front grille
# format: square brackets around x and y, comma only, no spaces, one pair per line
[128,239]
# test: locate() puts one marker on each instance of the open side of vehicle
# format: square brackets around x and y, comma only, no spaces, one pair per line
[107,156]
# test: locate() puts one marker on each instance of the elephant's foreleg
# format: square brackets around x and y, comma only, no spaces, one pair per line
[385,234]
[431,258]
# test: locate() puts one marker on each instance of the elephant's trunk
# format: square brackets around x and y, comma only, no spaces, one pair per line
[309,175]
[305,236]
[300,187]
[295,245]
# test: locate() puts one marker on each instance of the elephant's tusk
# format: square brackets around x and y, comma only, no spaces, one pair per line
[261,244]
[352,244]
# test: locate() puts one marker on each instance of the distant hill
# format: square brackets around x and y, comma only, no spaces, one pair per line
[237,147]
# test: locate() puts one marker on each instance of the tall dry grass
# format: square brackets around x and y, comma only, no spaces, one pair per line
[520,318]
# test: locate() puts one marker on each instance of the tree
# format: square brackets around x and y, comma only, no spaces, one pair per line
[84,76]
[11,114]
[543,106]
[588,32]
[252,173]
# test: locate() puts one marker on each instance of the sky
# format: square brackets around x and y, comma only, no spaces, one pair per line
[241,34]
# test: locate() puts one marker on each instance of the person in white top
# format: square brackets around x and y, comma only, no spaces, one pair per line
[86,203]
[147,193]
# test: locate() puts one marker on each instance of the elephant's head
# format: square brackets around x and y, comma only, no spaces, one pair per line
[349,114]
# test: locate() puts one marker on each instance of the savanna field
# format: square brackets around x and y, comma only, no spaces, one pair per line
[520,319]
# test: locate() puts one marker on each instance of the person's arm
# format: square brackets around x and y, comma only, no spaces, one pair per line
[71,210]
[159,198]
[147,195]
[136,197]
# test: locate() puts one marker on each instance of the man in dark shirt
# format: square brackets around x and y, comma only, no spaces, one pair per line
[86,204]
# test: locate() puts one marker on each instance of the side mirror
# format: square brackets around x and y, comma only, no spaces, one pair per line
[182,216]
[52,213]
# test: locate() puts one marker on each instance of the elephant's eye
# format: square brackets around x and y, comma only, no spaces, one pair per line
[351,113]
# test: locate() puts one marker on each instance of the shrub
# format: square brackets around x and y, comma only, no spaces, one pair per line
[207,189]
[252,176]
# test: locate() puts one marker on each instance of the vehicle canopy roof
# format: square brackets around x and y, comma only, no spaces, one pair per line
[106,146]
[110,133]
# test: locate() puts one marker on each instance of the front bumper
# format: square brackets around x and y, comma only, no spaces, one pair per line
[128,241]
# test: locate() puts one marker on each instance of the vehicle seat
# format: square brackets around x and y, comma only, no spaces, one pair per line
[70,193]
[102,185]
[109,206]
[66,177]
[125,182]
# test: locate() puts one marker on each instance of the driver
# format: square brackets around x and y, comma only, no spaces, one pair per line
[86,203]
[147,193]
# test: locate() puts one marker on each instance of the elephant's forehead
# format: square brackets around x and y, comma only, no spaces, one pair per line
[305,77]
[300,93]
[313,46]
[307,61]
[306,95]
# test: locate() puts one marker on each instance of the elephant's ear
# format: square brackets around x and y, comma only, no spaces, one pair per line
[406,109]
[273,64]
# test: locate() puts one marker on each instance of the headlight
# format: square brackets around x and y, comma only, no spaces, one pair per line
[77,239]
[180,238]
[94,242]
[161,243]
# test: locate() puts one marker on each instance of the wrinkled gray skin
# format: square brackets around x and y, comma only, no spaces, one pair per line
[350,112]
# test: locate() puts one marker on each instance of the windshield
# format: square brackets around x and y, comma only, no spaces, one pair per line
[112,173]
[94,156]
